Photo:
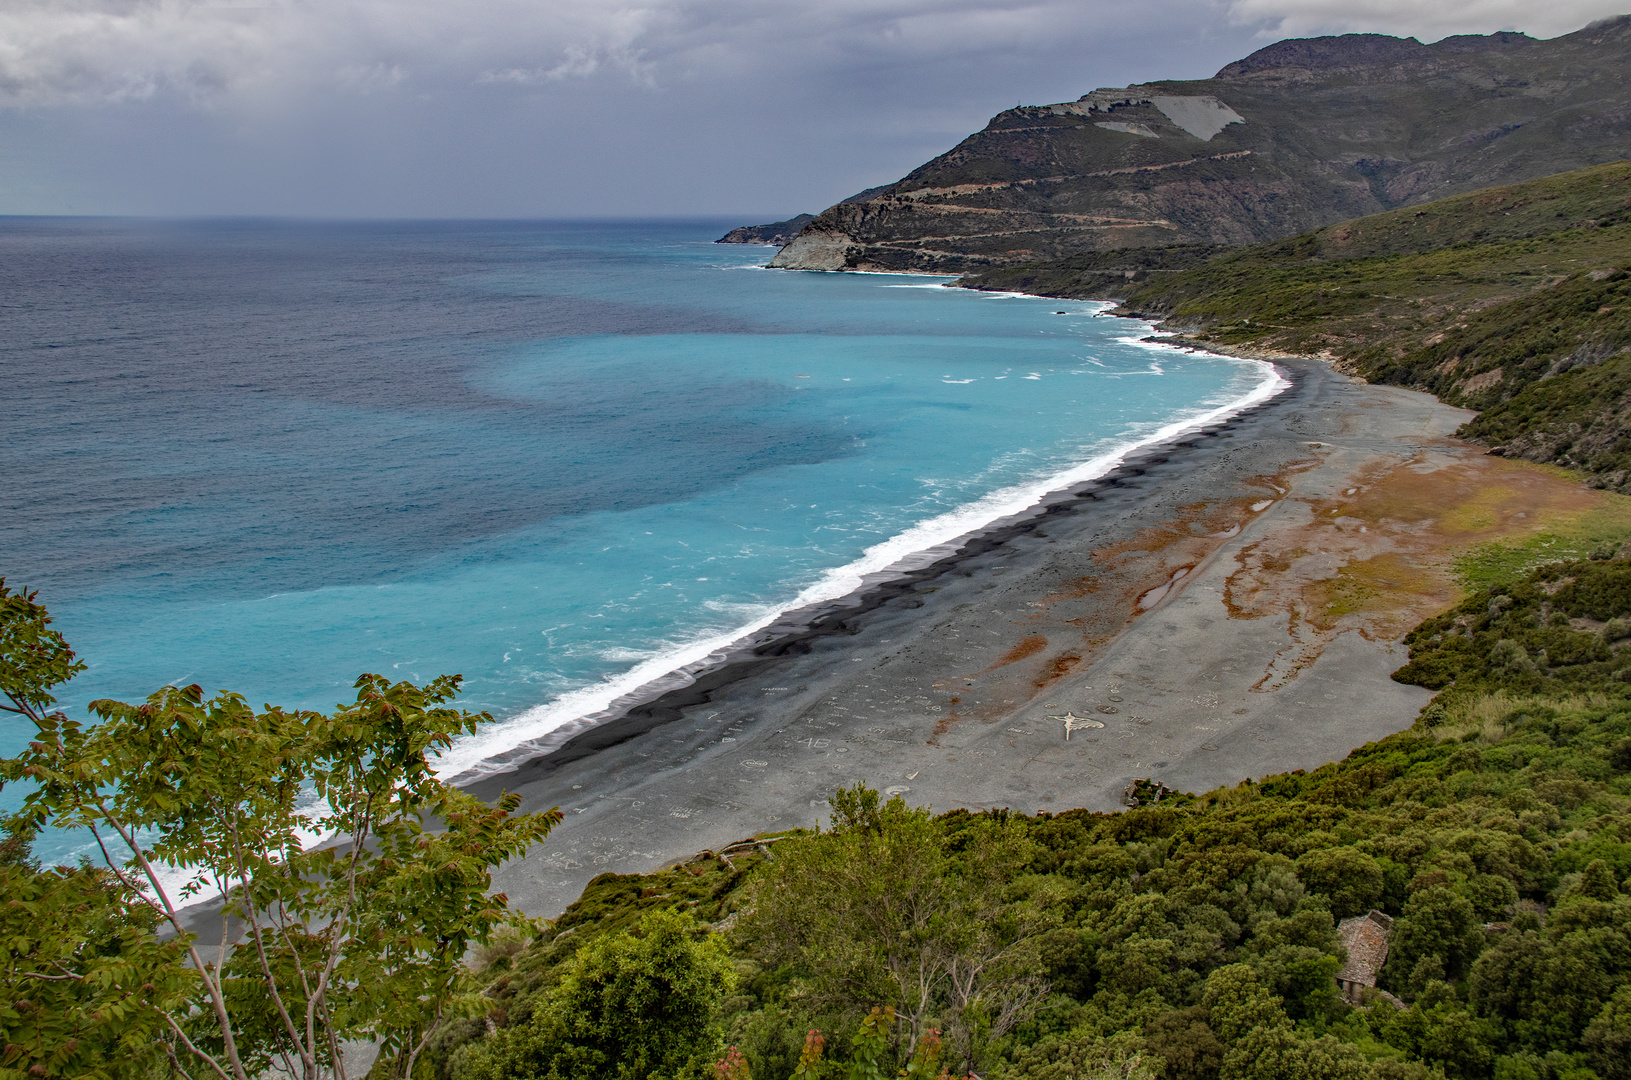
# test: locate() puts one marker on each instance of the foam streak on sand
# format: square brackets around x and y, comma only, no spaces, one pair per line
[505,745]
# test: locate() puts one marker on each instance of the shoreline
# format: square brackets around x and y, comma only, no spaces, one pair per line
[795,628]
[688,665]
[1226,606]
[662,698]
[800,631]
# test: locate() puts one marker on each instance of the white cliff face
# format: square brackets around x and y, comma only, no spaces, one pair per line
[813,250]
[1202,117]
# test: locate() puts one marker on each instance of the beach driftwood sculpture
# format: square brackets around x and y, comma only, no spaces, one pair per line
[1072,722]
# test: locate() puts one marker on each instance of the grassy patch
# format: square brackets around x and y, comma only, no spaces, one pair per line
[1559,538]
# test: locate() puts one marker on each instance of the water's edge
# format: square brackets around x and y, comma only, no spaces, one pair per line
[660,700]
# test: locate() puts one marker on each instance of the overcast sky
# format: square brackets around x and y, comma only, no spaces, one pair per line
[755,109]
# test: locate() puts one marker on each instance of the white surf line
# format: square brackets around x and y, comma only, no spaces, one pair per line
[507,744]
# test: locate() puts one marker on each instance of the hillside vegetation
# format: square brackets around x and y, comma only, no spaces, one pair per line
[1511,300]
[1191,939]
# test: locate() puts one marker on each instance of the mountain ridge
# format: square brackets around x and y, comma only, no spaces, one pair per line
[1300,134]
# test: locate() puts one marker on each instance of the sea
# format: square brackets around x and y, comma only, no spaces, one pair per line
[566,460]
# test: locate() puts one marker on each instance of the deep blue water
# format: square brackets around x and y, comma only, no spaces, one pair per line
[557,458]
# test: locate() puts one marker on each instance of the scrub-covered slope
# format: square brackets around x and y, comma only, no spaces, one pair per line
[1474,868]
[1298,135]
[1513,300]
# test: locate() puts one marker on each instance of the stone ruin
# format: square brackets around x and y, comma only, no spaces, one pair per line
[1366,938]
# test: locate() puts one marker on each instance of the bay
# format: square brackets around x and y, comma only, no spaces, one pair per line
[557,458]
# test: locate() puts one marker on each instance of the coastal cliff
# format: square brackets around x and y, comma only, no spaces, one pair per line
[1298,135]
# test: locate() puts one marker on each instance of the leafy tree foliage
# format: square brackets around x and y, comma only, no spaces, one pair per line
[82,969]
[81,966]
[1561,629]
[634,1006]
[892,906]
[363,938]
[1352,881]
[1085,1058]
[1438,936]
[33,658]
[1608,1037]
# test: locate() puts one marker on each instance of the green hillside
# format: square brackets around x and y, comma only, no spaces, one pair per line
[1191,939]
[1510,300]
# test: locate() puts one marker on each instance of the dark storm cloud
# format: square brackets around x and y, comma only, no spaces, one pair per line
[549,107]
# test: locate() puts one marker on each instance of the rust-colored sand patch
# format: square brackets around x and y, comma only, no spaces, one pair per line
[1210,517]
[1144,567]
[1130,571]
[1029,646]
[1244,593]
[1074,589]
[1056,669]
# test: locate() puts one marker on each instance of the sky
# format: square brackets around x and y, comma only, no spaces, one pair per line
[751,109]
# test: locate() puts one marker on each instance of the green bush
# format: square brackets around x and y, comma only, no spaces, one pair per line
[633,1006]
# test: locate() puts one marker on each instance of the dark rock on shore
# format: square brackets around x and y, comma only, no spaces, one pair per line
[777,232]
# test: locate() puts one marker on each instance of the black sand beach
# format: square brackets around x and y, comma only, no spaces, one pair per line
[1137,601]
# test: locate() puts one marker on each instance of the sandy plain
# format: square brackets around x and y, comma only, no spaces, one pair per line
[1226,607]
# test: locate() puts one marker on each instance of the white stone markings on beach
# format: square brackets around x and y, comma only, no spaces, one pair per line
[1072,722]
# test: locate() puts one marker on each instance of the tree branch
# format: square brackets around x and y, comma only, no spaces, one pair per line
[307,1060]
[359,837]
[20,706]
[217,998]
[175,1029]
[430,1029]
[175,1062]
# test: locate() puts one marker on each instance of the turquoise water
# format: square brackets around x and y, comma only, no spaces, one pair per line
[561,460]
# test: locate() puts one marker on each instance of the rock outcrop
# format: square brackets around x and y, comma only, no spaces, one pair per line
[1298,135]
[777,232]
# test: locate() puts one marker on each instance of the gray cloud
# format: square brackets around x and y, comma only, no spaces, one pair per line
[78,52]
[575,107]
[1427,21]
